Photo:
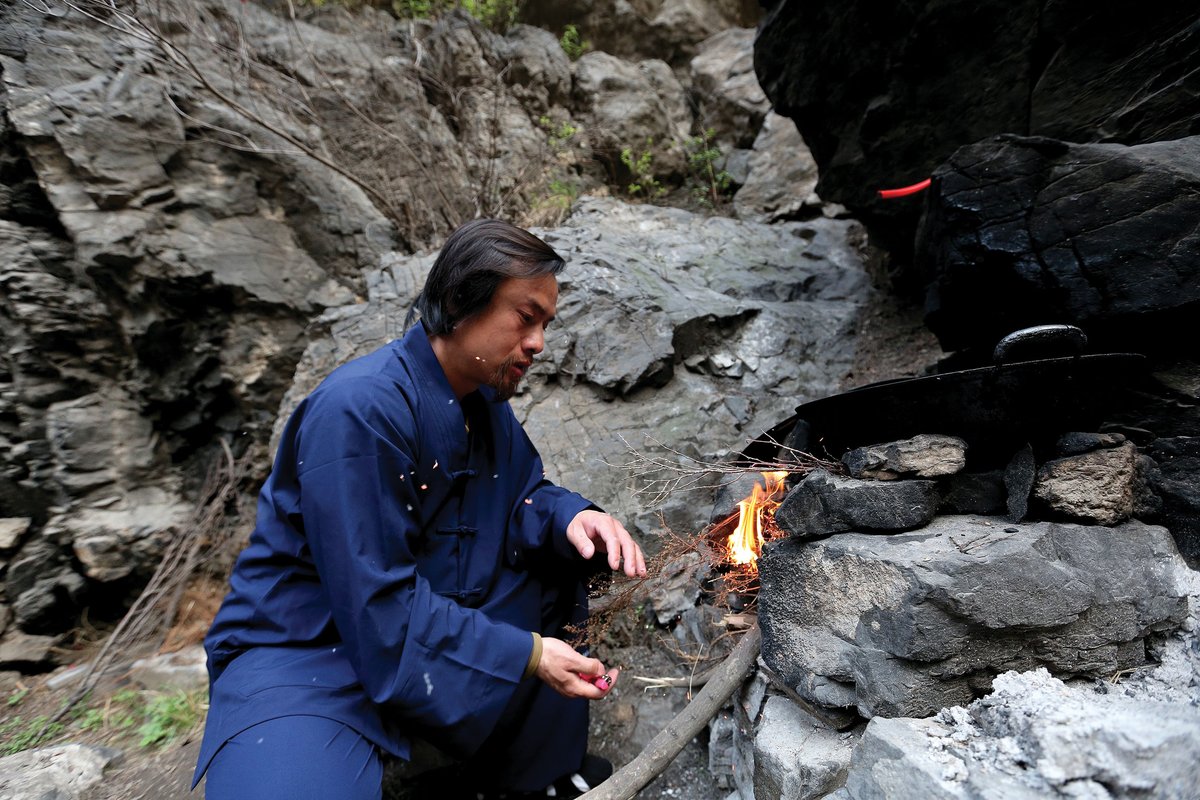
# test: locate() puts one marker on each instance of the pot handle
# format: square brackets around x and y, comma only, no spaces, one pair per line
[1040,341]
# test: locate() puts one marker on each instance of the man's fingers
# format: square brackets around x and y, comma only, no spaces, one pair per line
[591,531]
[577,536]
[631,554]
[635,562]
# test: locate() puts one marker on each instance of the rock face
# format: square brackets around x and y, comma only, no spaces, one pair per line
[164,246]
[1033,737]
[672,29]
[1025,231]
[689,330]
[155,288]
[883,95]
[904,625]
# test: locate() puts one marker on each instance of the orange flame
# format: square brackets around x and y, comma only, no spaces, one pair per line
[746,541]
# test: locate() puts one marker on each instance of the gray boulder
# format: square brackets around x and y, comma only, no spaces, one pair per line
[538,72]
[125,535]
[904,625]
[670,29]
[12,529]
[640,106]
[729,99]
[796,757]
[823,503]
[63,772]
[169,672]
[19,650]
[781,176]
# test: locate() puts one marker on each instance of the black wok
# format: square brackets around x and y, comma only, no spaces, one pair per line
[995,409]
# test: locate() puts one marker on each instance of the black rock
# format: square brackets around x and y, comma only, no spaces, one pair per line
[975,493]
[884,92]
[822,504]
[1076,443]
[1018,482]
[1176,482]
[1025,231]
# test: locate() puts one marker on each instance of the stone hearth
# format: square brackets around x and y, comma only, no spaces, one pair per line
[930,631]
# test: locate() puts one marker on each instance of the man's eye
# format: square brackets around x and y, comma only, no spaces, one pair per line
[525,317]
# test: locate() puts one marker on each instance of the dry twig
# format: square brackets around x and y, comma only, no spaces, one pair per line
[662,749]
[662,471]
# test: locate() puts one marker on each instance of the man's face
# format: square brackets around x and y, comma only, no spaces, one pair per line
[496,346]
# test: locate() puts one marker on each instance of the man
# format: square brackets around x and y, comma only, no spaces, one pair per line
[412,571]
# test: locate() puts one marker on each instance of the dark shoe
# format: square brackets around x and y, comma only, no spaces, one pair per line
[595,771]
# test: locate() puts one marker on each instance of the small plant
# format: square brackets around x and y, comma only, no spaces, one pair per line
[499,15]
[169,715]
[117,714]
[92,719]
[560,135]
[644,183]
[16,697]
[413,9]
[561,194]
[18,735]
[572,44]
[711,183]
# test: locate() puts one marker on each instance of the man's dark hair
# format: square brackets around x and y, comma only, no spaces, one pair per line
[473,262]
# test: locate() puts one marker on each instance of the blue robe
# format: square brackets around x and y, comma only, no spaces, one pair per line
[406,546]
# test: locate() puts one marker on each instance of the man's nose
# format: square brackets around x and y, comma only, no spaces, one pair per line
[535,342]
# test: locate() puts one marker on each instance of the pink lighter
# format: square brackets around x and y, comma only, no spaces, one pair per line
[601,682]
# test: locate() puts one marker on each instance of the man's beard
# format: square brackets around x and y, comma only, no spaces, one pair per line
[503,381]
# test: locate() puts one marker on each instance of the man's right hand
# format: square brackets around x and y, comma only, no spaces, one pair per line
[562,668]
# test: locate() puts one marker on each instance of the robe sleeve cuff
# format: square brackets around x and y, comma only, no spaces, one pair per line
[535,657]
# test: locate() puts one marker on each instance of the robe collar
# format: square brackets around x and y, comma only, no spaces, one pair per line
[440,408]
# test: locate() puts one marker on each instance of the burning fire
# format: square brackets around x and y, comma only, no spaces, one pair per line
[755,513]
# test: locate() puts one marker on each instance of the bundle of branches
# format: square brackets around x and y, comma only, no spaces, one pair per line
[660,472]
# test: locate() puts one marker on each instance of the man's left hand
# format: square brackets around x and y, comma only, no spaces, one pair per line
[592,531]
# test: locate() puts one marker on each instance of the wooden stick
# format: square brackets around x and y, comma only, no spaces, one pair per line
[662,749]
